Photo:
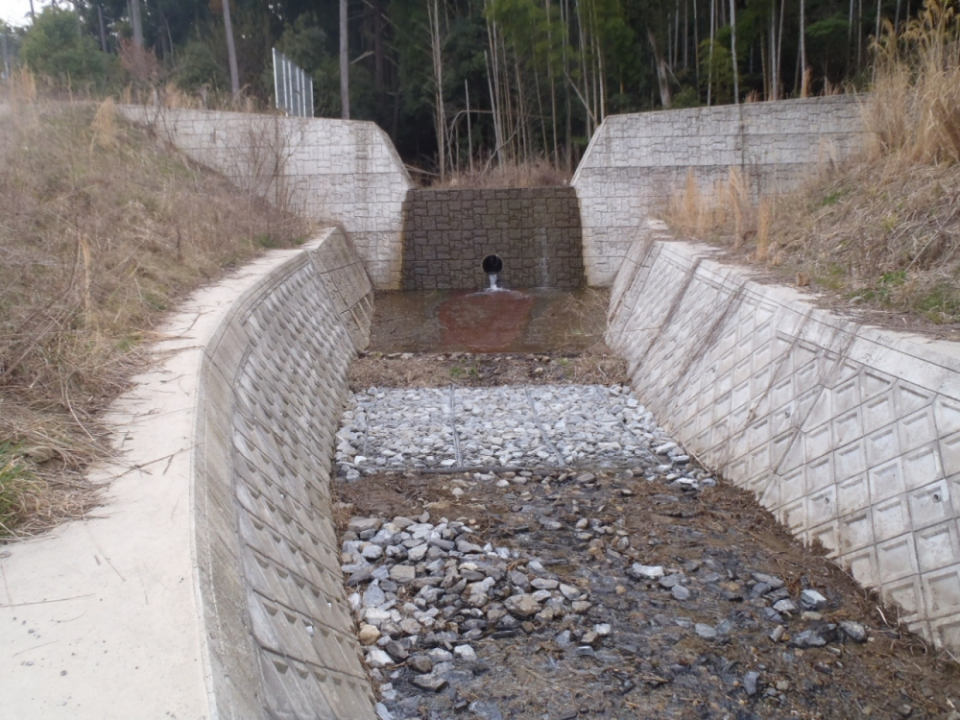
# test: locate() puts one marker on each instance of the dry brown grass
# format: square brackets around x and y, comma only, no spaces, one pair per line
[881,231]
[509,175]
[102,230]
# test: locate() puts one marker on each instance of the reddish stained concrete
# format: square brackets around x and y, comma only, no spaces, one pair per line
[489,321]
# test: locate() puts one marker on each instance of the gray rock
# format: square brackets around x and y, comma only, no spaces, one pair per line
[670,581]
[854,630]
[807,639]
[785,606]
[523,605]
[707,632]
[363,524]
[812,600]
[420,663]
[402,574]
[751,682]
[377,658]
[680,592]
[645,572]
[430,682]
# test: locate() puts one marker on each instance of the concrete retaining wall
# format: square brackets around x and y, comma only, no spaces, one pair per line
[209,584]
[272,387]
[636,162]
[849,434]
[535,231]
[333,170]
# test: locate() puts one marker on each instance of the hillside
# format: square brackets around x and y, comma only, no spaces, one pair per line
[880,233]
[102,230]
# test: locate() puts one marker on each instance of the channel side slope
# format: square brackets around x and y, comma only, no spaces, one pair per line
[849,434]
[147,608]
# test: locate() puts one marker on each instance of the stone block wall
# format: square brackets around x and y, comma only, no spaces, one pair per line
[280,636]
[849,434]
[341,171]
[636,162]
[535,231]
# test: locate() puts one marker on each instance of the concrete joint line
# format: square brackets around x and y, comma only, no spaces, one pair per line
[674,307]
[713,335]
[453,425]
[543,433]
[366,433]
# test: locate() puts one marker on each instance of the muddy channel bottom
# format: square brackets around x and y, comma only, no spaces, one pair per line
[615,643]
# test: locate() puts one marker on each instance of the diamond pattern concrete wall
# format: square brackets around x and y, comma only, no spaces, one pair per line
[335,170]
[636,162]
[281,638]
[850,435]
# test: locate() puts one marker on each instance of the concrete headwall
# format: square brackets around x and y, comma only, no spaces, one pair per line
[209,584]
[332,170]
[636,162]
[849,434]
[535,231]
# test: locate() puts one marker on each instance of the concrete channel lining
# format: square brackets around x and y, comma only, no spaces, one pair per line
[209,585]
[849,434]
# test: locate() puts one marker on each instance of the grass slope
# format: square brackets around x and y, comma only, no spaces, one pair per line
[102,230]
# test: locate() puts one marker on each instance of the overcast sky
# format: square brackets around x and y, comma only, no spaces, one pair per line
[17,12]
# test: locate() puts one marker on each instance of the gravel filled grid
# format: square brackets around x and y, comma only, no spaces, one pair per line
[498,427]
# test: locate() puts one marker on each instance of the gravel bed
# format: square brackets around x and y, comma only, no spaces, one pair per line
[513,426]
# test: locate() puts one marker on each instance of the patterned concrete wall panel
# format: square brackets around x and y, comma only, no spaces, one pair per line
[534,231]
[850,435]
[636,162]
[275,378]
[332,170]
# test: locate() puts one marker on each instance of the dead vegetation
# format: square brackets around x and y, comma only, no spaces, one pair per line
[538,173]
[102,230]
[882,231]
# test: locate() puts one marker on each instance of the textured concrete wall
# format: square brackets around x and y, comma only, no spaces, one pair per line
[636,162]
[335,170]
[850,435]
[535,231]
[280,635]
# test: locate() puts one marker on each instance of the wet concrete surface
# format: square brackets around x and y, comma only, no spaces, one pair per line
[486,321]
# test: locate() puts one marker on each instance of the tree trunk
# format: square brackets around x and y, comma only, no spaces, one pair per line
[774,54]
[103,28]
[713,34]
[231,49]
[33,14]
[433,14]
[137,23]
[804,89]
[344,63]
[466,90]
[779,58]
[663,77]
[733,52]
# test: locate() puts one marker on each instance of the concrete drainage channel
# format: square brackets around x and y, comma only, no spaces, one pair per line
[543,549]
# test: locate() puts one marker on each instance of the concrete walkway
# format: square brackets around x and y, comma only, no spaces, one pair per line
[100,618]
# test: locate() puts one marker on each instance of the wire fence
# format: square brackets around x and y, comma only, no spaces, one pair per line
[292,86]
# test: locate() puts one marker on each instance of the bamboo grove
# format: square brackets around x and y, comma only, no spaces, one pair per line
[461,85]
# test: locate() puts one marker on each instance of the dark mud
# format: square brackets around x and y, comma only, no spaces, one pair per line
[703,641]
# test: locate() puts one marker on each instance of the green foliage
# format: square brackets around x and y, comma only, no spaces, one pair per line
[15,481]
[56,46]
[200,66]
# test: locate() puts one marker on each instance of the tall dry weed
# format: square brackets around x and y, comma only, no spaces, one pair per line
[102,230]
[914,109]
[540,173]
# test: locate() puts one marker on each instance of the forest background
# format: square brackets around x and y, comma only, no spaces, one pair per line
[461,84]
